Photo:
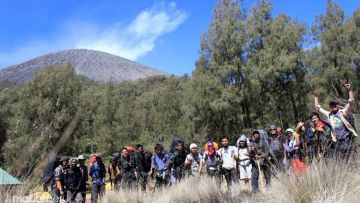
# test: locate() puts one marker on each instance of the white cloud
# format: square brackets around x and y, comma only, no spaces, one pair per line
[131,40]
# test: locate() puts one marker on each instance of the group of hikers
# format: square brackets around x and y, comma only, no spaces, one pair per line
[255,159]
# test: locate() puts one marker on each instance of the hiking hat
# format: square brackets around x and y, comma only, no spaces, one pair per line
[193,145]
[98,155]
[81,157]
[289,130]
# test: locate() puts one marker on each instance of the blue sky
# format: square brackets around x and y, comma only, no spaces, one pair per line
[161,34]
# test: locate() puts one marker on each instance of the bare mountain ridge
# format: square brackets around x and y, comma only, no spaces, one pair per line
[95,65]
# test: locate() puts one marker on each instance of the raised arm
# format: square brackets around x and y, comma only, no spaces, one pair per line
[351,98]
[318,106]
[316,100]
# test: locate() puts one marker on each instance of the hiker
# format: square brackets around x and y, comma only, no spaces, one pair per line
[214,144]
[292,148]
[342,131]
[276,148]
[72,182]
[212,162]
[308,141]
[97,173]
[128,167]
[228,154]
[57,185]
[143,166]
[194,160]
[244,161]
[114,173]
[178,163]
[160,166]
[259,153]
[322,134]
[84,176]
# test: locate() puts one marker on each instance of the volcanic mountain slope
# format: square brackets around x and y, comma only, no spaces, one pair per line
[95,65]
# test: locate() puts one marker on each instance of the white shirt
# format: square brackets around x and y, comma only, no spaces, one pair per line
[227,155]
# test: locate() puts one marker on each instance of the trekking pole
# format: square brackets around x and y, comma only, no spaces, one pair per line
[261,175]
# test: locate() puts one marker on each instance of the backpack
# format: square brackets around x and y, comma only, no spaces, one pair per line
[217,159]
[48,173]
[97,173]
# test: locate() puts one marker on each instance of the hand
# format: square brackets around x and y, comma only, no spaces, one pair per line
[315,93]
[334,139]
[347,86]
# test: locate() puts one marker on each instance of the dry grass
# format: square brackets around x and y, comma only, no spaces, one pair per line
[324,182]
[190,190]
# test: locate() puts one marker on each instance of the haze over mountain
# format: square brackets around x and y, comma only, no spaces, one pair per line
[95,65]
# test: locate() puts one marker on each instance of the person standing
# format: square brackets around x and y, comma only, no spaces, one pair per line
[244,161]
[178,163]
[97,173]
[342,131]
[322,135]
[160,163]
[194,160]
[114,173]
[228,154]
[72,182]
[276,148]
[292,148]
[84,177]
[212,162]
[142,166]
[127,166]
[58,182]
[260,152]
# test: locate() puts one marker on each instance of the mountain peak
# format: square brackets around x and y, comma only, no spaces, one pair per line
[95,65]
